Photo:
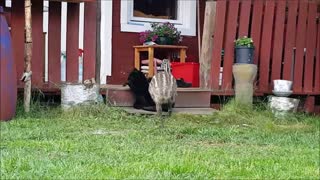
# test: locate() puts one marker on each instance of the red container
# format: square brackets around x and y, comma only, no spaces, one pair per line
[8,74]
[189,71]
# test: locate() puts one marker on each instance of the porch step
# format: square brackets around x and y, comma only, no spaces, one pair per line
[192,111]
[120,96]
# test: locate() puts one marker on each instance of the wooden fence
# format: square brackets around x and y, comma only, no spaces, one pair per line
[286,34]
[54,42]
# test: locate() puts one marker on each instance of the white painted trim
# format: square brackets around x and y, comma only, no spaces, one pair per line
[186,22]
[106,40]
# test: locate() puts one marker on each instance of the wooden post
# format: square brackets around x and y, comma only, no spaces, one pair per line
[136,58]
[151,61]
[309,105]
[98,45]
[183,55]
[207,44]
[28,56]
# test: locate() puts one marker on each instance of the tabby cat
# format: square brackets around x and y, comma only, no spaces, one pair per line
[163,88]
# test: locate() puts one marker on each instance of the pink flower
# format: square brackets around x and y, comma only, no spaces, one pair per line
[154,38]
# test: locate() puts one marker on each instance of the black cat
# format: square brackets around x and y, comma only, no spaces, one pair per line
[139,85]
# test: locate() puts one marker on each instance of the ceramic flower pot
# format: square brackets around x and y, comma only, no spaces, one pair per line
[162,40]
[280,85]
[244,55]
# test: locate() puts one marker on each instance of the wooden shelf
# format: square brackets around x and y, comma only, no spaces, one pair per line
[162,46]
[150,49]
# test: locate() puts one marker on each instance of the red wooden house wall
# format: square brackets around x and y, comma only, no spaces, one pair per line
[123,42]
[286,34]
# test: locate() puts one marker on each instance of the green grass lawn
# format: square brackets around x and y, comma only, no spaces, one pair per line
[104,143]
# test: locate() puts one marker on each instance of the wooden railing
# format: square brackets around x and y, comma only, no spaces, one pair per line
[54,42]
[286,34]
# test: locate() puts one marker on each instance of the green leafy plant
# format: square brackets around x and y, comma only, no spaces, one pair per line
[244,42]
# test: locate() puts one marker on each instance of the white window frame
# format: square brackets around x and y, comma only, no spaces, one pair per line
[186,18]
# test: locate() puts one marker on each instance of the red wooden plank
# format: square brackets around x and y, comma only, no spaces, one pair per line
[256,26]
[218,43]
[266,46]
[278,40]
[54,34]
[17,34]
[309,104]
[38,45]
[245,10]
[311,47]
[317,73]
[73,42]
[89,56]
[231,31]
[290,39]
[300,45]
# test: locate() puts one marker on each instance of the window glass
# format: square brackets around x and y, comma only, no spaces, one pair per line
[158,9]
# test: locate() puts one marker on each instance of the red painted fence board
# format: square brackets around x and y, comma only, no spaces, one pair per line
[278,40]
[300,45]
[218,43]
[317,73]
[245,10]
[89,56]
[277,28]
[38,44]
[256,26]
[73,42]
[231,31]
[17,34]
[311,47]
[266,46]
[54,54]
[290,40]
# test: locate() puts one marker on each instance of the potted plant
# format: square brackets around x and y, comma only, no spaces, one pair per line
[161,33]
[244,50]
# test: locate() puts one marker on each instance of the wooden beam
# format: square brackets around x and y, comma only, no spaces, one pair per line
[207,45]
[28,55]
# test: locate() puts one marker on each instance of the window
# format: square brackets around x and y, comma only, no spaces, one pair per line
[136,15]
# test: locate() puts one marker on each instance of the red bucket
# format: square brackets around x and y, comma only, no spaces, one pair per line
[189,71]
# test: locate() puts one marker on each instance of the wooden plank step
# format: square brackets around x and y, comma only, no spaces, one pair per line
[191,111]
[118,95]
